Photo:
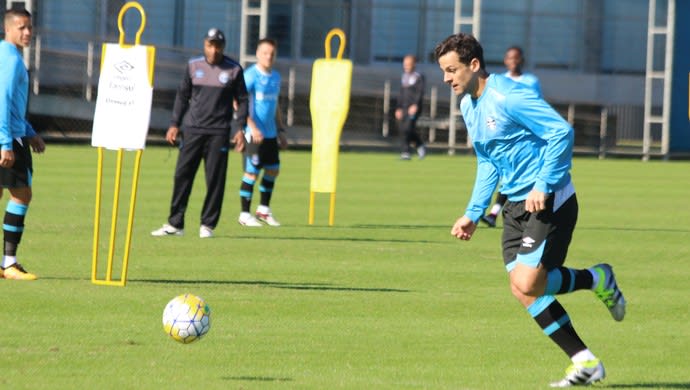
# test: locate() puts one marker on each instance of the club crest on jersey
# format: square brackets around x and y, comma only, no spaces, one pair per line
[491,123]
[223,77]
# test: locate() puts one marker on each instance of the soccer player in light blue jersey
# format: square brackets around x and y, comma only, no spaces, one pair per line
[523,142]
[17,139]
[513,60]
[264,134]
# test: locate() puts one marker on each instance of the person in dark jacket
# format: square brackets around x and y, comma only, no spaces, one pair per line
[408,108]
[200,123]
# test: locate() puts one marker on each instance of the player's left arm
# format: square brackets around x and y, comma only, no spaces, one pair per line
[35,140]
[241,99]
[280,125]
[534,113]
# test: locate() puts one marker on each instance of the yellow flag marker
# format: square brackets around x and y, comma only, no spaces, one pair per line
[329,103]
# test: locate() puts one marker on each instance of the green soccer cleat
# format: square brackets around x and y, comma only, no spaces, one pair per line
[582,374]
[608,292]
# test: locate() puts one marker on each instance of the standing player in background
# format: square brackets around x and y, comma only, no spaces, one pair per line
[513,60]
[201,117]
[519,138]
[409,106]
[265,135]
[17,138]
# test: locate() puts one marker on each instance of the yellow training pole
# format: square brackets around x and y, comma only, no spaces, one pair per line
[312,195]
[97,216]
[130,221]
[118,175]
[331,210]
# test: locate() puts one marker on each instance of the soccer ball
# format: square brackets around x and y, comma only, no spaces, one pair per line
[186,318]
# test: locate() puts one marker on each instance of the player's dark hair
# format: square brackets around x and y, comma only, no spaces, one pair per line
[270,41]
[518,48]
[465,45]
[16,12]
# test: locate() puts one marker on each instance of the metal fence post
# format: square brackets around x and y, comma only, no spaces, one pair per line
[386,107]
[603,132]
[89,71]
[432,113]
[37,64]
[291,97]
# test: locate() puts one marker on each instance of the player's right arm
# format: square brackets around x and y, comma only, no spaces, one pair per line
[7,87]
[484,185]
[463,228]
[184,93]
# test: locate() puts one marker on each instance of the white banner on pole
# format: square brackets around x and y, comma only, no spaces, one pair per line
[123,105]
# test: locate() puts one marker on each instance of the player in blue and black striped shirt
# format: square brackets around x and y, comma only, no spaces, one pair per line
[523,142]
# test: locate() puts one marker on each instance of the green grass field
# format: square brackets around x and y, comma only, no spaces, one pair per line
[385,299]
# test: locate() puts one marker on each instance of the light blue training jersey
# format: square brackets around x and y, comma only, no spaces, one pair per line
[518,138]
[263,89]
[14,95]
[528,79]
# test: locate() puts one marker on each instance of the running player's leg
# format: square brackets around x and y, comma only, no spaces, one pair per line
[533,245]
[216,167]
[490,218]
[188,160]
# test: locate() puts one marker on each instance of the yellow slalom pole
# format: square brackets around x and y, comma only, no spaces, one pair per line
[118,175]
[97,216]
[130,221]
[113,219]
[312,195]
[331,211]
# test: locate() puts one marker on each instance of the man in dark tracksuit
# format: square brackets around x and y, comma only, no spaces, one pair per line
[201,118]
[409,107]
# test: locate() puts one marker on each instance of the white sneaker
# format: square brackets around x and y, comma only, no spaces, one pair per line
[421,152]
[247,219]
[267,218]
[582,374]
[205,232]
[167,230]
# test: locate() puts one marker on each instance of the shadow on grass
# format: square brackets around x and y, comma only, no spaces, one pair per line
[283,285]
[256,378]
[346,239]
[633,229]
[650,385]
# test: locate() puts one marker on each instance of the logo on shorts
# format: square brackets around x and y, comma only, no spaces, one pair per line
[527,242]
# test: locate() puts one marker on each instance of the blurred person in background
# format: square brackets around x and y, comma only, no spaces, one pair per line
[201,123]
[409,107]
[265,136]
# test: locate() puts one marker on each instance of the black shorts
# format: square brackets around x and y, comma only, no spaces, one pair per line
[265,155]
[541,238]
[19,175]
